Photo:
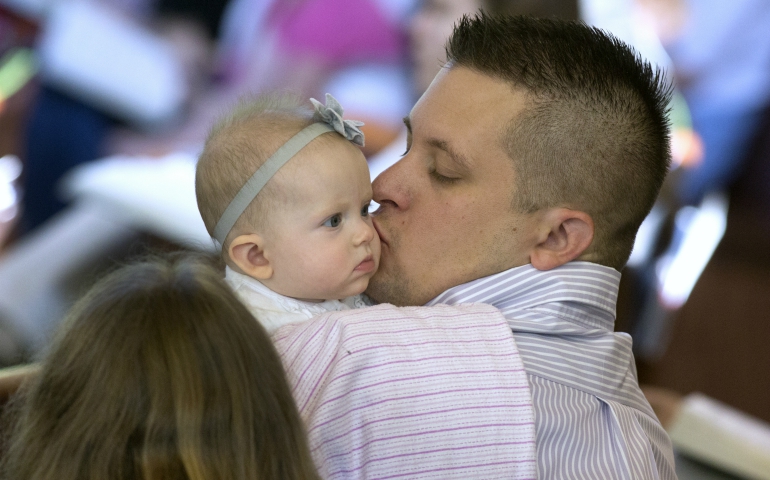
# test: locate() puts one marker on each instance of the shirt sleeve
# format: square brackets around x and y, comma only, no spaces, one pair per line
[429,392]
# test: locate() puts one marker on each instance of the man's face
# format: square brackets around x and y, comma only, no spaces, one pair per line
[446,214]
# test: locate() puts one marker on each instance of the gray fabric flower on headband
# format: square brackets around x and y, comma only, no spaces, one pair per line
[331,113]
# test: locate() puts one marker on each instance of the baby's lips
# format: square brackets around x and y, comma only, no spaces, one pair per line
[367,264]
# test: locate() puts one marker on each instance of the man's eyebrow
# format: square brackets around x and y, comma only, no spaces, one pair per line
[456,156]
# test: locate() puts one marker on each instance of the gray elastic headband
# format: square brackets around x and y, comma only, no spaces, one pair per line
[263,175]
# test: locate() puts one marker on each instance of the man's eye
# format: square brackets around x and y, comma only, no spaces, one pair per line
[333,221]
[441,178]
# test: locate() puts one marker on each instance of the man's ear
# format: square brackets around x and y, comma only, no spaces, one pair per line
[247,252]
[565,235]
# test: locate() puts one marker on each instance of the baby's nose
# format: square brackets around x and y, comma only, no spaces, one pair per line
[365,232]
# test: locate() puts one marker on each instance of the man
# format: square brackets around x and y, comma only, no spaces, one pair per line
[532,159]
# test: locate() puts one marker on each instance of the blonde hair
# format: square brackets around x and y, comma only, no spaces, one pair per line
[159,372]
[237,146]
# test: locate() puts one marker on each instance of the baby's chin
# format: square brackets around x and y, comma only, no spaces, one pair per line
[355,291]
[358,289]
[354,287]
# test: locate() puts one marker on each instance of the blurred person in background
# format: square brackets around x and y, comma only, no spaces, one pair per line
[67,129]
[17,91]
[228,49]
[720,52]
[718,56]
[299,46]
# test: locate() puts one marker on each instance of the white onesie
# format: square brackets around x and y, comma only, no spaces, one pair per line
[274,310]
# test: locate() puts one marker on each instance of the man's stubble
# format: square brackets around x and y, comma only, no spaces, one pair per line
[390,284]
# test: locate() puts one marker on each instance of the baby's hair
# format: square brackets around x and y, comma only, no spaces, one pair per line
[159,372]
[239,143]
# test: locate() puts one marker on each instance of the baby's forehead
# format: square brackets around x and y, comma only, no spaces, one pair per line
[330,159]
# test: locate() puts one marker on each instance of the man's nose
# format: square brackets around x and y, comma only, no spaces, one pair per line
[391,188]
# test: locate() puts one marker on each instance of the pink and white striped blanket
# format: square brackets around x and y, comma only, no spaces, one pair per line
[417,392]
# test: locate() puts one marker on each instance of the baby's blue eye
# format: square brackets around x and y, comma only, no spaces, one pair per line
[365,210]
[333,221]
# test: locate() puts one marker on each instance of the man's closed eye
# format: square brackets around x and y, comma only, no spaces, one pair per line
[442,178]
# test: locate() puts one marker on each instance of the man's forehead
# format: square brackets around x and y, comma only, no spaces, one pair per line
[462,102]
[460,95]
[459,90]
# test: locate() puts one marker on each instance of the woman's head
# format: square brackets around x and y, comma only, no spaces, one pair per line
[160,373]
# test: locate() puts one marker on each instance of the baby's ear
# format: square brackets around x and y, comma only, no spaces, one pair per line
[247,252]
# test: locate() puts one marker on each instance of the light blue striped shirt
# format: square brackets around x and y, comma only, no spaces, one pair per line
[592,420]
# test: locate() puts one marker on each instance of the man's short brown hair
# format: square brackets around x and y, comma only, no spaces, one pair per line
[595,136]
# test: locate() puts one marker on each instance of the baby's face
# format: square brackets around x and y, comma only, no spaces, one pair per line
[322,243]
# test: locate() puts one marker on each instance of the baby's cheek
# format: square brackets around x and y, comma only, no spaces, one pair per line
[375,247]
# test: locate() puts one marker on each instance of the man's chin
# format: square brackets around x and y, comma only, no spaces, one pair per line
[391,288]
[374,290]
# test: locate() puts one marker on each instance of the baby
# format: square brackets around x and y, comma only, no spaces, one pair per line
[285,192]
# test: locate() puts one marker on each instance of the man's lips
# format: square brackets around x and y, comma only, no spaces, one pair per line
[366,266]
